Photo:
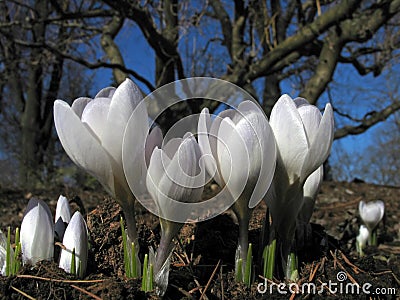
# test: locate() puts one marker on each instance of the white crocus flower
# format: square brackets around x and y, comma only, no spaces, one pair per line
[75,237]
[62,218]
[304,139]
[172,177]
[92,132]
[371,213]
[240,152]
[37,233]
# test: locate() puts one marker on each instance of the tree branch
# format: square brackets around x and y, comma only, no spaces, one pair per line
[368,121]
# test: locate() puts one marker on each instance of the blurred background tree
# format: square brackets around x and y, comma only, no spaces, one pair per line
[320,50]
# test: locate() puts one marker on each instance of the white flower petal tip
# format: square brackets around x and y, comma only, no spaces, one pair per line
[75,238]
[371,213]
[37,233]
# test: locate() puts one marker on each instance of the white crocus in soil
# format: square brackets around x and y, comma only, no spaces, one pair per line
[240,153]
[371,213]
[37,233]
[304,139]
[75,239]
[62,218]
[92,133]
[173,177]
[362,239]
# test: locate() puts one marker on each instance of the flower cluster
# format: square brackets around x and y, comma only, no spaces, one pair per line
[38,234]
[250,159]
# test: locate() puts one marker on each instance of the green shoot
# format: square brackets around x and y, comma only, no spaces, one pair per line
[73,268]
[373,238]
[150,278]
[269,260]
[131,263]
[239,272]
[145,274]
[249,262]
[291,267]
[12,261]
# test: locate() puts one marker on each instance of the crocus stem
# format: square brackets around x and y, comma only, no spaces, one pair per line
[373,238]
[168,231]
[129,212]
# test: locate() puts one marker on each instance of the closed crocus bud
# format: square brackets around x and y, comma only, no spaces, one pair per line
[310,191]
[240,151]
[304,138]
[362,236]
[371,213]
[62,218]
[172,179]
[37,233]
[75,238]
[92,132]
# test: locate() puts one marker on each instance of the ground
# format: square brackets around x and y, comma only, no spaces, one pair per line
[202,262]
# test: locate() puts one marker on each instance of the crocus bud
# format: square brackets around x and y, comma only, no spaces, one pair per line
[62,218]
[92,132]
[310,191]
[176,163]
[37,233]
[362,236]
[239,150]
[75,238]
[371,213]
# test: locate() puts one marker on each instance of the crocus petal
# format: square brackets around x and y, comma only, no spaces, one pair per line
[123,102]
[320,145]
[81,146]
[154,139]
[263,147]
[63,209]
[159,161]
[311,118]
[233,157]
[290,135]
[37,234]
[209,159]
[94,115]
[78,106]
[75,237]
[310,191]
[107,92]
[133,149]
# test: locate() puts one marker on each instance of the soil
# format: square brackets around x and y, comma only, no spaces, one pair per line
[203,259]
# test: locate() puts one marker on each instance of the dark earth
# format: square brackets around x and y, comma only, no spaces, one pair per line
[203,259]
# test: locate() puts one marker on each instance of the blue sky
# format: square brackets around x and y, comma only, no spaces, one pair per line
[351,94]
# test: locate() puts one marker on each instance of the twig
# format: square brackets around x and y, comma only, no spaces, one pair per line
[354,267]
[59,280]
[86,292]
[347,273]
[209,280]
[22,293]
[182,291]
[312,275]
[222,284]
